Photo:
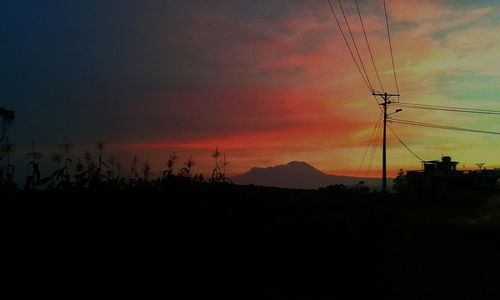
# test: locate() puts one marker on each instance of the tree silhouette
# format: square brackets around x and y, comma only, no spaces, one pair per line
[400,182]
[7,149]
[7,170]
[7,117]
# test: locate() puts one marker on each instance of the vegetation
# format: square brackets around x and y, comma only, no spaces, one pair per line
[86,173]
[268,243]
[7,118]
[169,172]
[400,182]
[220,168]
[294,244]
[7,169]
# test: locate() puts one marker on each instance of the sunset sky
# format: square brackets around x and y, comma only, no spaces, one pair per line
[267,81]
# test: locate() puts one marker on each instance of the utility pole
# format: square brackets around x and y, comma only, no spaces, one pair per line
[386,97]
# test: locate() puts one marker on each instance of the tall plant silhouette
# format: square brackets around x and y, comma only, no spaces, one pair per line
[91,165]
[66,147]
[220,167]
[118,169]
[85,171]
[34,179]
[215,154]
[80,173]
[57,177]
[100,146]
[133,168]
[170,165]
[61,177]
[188,166]
[111,172]
[146,171]
[224,168]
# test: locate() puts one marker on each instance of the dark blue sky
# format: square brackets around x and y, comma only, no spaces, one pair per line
[74,67]
[71,65]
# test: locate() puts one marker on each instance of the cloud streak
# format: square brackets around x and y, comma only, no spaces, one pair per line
[267,81]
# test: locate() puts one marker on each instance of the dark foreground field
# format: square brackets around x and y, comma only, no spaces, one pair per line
[233,242]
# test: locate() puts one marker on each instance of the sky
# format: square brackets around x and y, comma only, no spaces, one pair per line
[266,82]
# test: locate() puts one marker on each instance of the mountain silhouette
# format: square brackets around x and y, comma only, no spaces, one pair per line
[299,175]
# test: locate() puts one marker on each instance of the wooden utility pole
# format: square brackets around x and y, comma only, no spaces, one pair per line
[386,97]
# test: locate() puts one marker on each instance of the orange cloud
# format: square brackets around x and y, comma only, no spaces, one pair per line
[288,89]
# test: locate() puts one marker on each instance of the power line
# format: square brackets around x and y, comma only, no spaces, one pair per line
[390,47]
[429,125]
[368,45]
[374,147]
[404,144]
[366,78]
[452,110]
[370,142]
[378,104]
[455,107]
[448,108]
[352,54]
[349,46]
[355,46]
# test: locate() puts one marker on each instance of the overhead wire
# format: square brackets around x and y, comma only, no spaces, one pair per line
[355,45]
[374,148]
[373,143]
[370,142]
[365,80]
[362,70]
[403,143]
[390,47]
[455,107]
[437,126]
[368,46]
[448,108]
[349,47]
